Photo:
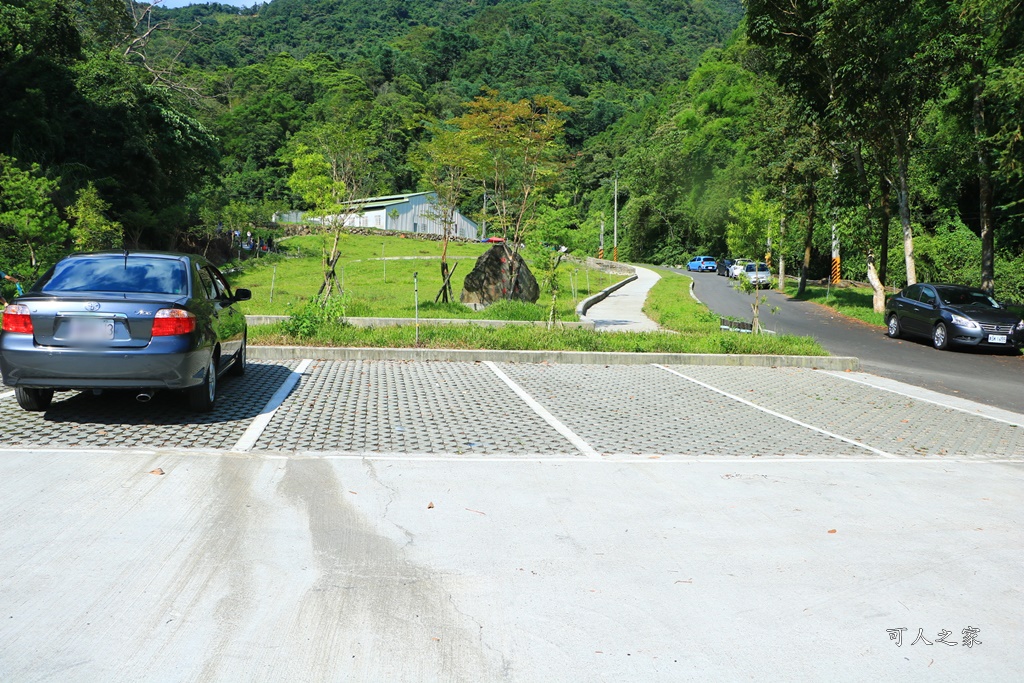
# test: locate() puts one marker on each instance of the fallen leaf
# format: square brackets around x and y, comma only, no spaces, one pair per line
[653,457]
[831,531]
[353,493]
[430,506]
[476,511]
[157,471]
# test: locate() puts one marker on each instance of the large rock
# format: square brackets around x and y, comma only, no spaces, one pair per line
[489,280]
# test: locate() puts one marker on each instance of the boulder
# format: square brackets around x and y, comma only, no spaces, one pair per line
[489,280]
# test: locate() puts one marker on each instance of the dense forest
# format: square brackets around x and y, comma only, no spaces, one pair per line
[726,127]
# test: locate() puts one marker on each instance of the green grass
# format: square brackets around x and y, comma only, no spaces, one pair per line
[853,302]
[540,338]
[695,331]
[295,277]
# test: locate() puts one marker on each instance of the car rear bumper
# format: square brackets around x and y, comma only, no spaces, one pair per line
[167,363]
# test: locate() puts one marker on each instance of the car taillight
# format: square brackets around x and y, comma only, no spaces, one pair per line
[171,321]
[17,319]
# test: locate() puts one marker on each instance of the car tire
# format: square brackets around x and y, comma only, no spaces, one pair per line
[35,400]
[202,398]
[940,336]
[892,327]
[238,367]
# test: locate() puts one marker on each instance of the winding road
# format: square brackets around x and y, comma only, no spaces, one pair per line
[978,375]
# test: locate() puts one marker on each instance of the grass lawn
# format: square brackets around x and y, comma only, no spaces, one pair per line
[855,302]
[695,330]
[385,288]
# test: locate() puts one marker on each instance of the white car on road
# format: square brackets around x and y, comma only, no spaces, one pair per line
[736,268]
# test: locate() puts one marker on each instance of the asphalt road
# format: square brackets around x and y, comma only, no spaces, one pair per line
[986,377]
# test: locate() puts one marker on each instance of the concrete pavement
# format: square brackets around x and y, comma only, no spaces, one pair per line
[409,521]
[622,310]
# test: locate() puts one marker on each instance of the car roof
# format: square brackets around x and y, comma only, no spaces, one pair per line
[149,254]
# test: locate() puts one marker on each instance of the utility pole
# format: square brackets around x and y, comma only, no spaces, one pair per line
[615,233]
[484,235]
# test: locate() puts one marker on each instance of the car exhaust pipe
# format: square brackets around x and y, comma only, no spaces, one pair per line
[144,396]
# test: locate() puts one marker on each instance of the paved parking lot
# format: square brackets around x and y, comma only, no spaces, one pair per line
[529,410]
[412,521]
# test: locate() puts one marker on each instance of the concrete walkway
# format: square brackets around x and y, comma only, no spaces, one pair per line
[622,310]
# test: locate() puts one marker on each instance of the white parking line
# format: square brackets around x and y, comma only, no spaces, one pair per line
[928,396]
[744,401]
[255,430]
[573,438]
[653,459]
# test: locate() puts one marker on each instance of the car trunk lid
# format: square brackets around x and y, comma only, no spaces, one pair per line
[96,319]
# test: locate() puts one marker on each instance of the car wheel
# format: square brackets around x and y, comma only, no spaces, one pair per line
[940,336]
[238,368]
[201,398]
[893,326]
[34,399]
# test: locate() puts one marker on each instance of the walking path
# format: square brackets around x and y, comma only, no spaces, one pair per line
[622,310]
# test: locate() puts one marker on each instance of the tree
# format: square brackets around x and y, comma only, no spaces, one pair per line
[332,174]
[28,216]
[754,226]
[519,147]
[446,162]
[91,230]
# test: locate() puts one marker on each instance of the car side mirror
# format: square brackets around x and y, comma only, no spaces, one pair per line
[242,295]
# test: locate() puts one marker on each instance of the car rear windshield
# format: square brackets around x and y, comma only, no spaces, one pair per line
[114,273]
[955,296]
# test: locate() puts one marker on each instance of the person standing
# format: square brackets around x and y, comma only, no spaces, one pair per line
[9,278]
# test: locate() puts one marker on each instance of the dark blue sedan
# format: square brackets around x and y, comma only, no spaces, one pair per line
[953,315]
[140,321]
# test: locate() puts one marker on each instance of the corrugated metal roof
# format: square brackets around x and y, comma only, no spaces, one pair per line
[387,200]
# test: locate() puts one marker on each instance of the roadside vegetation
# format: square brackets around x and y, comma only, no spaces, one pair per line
[690,328]
[853,302]
[286,282]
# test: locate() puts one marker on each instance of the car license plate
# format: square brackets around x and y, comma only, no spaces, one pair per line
[997,339]
[90,329]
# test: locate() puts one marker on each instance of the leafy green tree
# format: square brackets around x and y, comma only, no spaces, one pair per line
[521,155]
[91,230]
[446,163]
[754,226]
[28,216]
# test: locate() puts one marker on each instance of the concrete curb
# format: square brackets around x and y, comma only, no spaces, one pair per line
[833,363]
[257,320]
[584,306]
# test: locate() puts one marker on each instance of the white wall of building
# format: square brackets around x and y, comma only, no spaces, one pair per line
[415,214]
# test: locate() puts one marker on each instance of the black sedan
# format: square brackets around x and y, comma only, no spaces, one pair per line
[140,321]
[953,315]
[724,264]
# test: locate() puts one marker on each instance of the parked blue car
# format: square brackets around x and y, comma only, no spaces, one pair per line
[702,264]
[139,321]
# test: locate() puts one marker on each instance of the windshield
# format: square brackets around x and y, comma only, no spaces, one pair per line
[957,296]
[113,273]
